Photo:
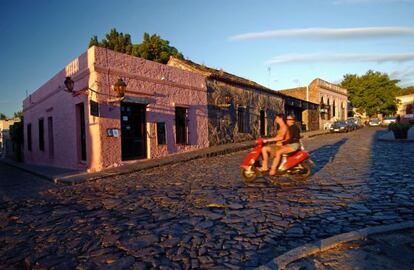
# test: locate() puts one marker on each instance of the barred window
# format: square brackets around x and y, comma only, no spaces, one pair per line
[161,134]
[241,119]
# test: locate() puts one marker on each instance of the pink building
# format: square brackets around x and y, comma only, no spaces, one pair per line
[164,111]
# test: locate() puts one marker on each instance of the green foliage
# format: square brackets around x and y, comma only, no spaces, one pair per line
[399,126]
[373,92]
[18,114]
[152,48]
[114,41]
[399,129]
[3,116]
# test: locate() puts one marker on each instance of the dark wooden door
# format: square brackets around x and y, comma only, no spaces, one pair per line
[81,131]
[262,123]
[133,131]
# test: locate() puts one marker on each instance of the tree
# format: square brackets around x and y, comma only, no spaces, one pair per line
[114,41]
[156,49]
[3,116]
[18,114]
[152,48]
[373,92]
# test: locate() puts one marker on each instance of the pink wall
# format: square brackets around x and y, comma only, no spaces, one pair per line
[50,100]
[98,69]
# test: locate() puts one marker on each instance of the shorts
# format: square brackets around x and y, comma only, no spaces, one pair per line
[295,146]
[273,148]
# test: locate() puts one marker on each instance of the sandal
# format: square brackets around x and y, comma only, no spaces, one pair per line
[262,170]
[273,172]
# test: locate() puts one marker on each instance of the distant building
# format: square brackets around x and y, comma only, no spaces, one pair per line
[4,132]
[163,112]
[332,100]
[406,106]
[239,109]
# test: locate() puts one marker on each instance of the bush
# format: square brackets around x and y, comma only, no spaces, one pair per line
[400,129]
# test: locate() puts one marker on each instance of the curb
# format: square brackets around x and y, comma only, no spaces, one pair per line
[79,178]
[306,250]
[396,140]
[22,168]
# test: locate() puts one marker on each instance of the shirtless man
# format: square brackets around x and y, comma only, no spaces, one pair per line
[290,145]
[281,136]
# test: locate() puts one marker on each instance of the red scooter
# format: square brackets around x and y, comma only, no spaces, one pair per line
[296,164]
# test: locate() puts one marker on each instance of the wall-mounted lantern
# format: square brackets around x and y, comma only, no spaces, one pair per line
[120,87]
[69,83]
[227,101]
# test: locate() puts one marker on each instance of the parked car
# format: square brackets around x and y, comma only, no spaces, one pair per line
[339,126]
[374,122]
[388,120]
[351,124]
[357,122]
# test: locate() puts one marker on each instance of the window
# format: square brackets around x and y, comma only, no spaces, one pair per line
[328,111]
[94,108]
[333,109]
[41,135]
[241,119]
[181,125]
[262,123]
[50,137]
[161,134]
[29,137]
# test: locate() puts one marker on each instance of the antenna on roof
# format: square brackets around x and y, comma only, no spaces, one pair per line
[269,72]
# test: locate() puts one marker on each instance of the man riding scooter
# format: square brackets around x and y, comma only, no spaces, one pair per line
[291,144]
[296,165]
[281,137]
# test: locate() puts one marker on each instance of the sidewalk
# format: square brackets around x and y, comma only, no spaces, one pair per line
[381,247]
[389,136]
[72,177]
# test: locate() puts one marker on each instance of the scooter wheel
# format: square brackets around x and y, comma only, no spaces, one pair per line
[248,176]
[307,170]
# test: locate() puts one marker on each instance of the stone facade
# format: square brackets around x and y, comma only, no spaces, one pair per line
[307,112]
[224,119]
[4,131]
[332,100]
[238,109]
[406,106]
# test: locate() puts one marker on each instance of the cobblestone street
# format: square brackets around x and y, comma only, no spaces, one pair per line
[394,250]
[199,214]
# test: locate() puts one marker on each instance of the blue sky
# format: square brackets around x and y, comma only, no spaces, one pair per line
[279,44]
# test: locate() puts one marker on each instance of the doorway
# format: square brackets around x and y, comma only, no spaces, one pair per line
[262,123]
[133,131]
[81,130]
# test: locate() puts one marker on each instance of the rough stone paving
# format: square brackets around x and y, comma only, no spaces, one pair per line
[393,250]
[200,215]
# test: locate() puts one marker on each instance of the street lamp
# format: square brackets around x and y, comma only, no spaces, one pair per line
[69,83]
[120,87]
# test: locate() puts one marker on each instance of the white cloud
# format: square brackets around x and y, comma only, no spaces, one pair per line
[405,76]
[350,2]
[341,57]
[329,33]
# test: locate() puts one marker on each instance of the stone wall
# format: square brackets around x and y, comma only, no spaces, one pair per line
[299,92]
[222,115]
